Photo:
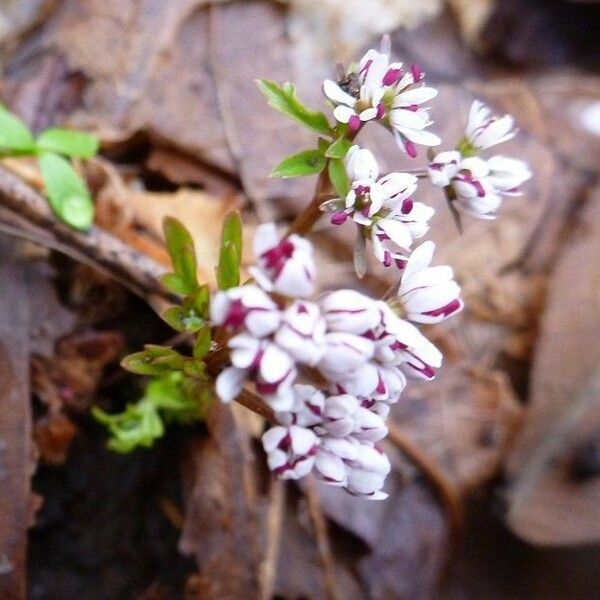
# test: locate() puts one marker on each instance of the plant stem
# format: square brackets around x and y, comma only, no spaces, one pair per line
[305,221]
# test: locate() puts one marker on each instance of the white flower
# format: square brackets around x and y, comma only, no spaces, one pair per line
[428,294]
[302,332]
[401,344]
[332,454]
[507,175]
[444,167]
[361,164]
[247,307]
[290,451]
[365,474]
[379,90]
[477,184]
[343,415]
[373,380]
[344,352]
[284,266]
[349,311]
[272,367]
[307,409]
[483,130]
[393,235]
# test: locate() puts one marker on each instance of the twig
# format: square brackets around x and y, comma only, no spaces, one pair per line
[444,488]
[274,520]
[322,536]
[96,247]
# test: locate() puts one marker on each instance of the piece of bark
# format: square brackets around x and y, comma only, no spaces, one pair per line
[16,452]
[547,504]
[221,528]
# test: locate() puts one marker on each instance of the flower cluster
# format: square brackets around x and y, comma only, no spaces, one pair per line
[475,185]
[364,349]
[382,208]
[379,90]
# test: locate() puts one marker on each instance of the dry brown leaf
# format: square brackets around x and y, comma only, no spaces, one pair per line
[546,505]
[464,420]
[202,214]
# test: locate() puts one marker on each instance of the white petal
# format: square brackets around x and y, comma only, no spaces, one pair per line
[275,364]
[425,138]
[336,94]
[265,238]
[303,439]
[229,383]
[415,96]
[343,114]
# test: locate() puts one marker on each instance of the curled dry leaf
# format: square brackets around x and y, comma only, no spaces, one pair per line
[464,420]
[547,504]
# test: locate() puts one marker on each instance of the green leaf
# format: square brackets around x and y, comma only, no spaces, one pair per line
[228,271]
[153,360]
[67,192]
[203,343]
[183,255]
[284,99]
[170,397]
[69,142]
[14,134]
[139,425]
[307,162]
[182,318]
[232,231]
[338,177]
[339,148]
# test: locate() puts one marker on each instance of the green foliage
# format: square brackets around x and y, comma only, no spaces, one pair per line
[169,398]
[339,148]
[183,256]
[192,315]
[69,142]
[67,193]
[307,162]
[284,99]
[338,177]
[230,254]
[153,360]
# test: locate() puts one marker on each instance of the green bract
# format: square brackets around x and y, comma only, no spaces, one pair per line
[230,254]
[303,163]
[338,177]
[183,255]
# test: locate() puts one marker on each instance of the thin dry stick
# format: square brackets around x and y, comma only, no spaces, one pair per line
[136,271]
[444,488]
[322,536]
